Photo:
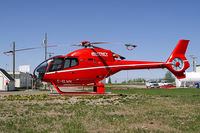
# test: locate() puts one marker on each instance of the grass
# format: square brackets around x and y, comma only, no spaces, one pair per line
[136,110]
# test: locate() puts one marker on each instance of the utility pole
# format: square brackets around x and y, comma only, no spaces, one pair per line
[127,77]
[13,59]
[45,43]
[193,62]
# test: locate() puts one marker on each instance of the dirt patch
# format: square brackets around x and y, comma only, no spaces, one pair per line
[26,92]
[153,126]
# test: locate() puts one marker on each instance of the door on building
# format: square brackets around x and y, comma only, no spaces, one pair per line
[1,83]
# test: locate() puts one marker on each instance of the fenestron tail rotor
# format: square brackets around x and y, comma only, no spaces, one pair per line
[177,64]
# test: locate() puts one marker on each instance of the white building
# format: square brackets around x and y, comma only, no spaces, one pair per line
[6,81]
[198,68]
[188,81]
[22,80]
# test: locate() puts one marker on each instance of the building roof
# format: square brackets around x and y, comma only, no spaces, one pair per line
[17,73]
[6,74]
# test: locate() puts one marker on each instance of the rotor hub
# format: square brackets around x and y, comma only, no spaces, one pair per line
[85,42]
[177,64]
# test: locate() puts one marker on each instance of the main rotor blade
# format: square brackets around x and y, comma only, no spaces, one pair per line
[96,47]
[105,43]
[99,42]
[79,44]
[130,45]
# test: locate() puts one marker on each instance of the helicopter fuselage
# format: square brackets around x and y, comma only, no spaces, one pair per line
[91,65]
[88,65]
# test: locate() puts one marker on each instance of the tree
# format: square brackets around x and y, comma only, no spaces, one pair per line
[123,82]
[169,77]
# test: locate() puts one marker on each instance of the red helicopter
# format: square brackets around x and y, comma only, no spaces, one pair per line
[90,65]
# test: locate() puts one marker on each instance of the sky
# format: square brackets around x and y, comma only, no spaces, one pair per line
[155,26]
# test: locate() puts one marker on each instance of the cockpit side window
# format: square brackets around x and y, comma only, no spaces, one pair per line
[70,62]
[56,64]
[74,62]
[62,63]
[67,63]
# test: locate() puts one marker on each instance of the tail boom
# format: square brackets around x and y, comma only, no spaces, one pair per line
[176,63]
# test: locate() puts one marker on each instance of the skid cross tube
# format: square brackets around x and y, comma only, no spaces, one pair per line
[100,89]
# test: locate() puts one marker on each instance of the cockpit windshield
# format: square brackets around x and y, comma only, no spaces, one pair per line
[41,69]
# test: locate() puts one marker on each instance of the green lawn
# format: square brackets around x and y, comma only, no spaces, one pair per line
[135,110]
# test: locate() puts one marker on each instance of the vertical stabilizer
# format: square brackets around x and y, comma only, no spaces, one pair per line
[177,62]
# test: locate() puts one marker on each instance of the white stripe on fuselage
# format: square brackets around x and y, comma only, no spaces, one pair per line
[88,68]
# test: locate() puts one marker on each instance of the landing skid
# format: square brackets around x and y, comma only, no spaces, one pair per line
[97,89]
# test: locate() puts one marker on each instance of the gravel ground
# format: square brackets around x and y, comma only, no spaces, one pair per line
[36,92]
[65,89]
[26,92]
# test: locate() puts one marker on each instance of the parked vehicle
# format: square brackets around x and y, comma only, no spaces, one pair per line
[152,84]
[165,83]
